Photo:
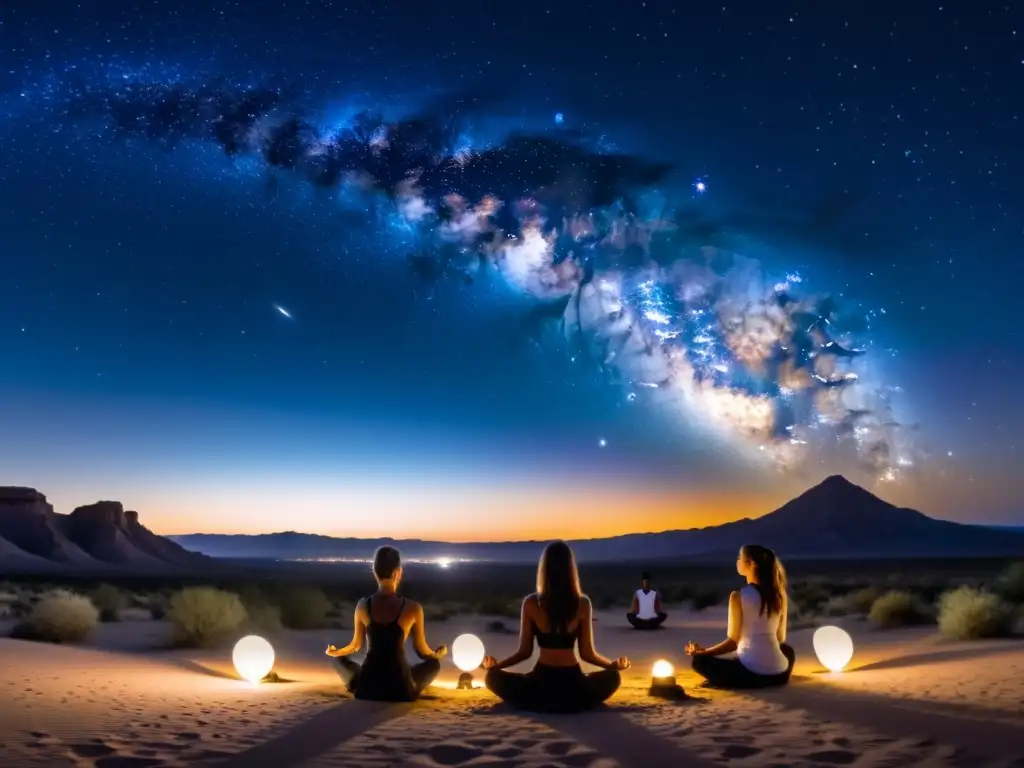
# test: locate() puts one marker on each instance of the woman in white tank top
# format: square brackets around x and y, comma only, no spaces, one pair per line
[757,628]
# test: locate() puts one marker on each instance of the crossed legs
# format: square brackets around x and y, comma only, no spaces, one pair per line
[553,689]
[639,623]
[730,673]
[423,674]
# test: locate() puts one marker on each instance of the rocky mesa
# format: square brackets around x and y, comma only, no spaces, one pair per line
[97,536]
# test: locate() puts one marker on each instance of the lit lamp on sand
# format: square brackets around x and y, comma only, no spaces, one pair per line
[663,683]
[468,654]
[833,647]
[253,658]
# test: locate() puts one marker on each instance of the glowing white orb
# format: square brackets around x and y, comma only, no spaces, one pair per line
[468,652]
[253,658]
[833,647]
[602,442]
[663,668]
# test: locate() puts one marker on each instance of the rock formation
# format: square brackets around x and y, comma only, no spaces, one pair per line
[95,536]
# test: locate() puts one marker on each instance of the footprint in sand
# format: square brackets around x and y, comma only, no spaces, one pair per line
[124,761]
[559,748]
[92,750]
[453,754]
[833,756]
[739,751]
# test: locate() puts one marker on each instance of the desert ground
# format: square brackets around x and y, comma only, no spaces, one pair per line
[123,697]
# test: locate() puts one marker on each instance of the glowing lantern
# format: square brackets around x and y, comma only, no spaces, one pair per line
[664,684]
[253,658]
[468,654]
[662,668]
[833,647]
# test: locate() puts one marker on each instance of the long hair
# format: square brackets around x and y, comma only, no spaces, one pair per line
[770,577]
[558,585]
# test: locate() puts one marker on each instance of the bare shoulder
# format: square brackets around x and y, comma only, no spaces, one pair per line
[414,607]
[531,601]
[585,604]
[734,597]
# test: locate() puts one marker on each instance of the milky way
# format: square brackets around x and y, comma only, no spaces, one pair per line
[698,330]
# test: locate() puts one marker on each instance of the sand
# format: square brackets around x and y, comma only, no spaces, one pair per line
[908,699]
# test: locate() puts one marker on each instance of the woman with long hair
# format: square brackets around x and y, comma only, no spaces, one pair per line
[757,628]
[560,617]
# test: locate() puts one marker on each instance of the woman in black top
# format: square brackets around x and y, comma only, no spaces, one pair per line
[559,616]
[385,619]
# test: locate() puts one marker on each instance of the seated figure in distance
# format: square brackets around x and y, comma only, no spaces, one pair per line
[558,616]
[646,612]
[385,620]
[758,620]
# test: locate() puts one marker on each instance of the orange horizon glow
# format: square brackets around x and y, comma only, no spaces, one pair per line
[524,511]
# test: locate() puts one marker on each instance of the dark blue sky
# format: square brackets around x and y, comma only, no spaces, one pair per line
[872,152]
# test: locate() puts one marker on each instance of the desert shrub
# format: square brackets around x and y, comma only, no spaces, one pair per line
[811,595]
[856,603]
[108,601]
[674,592]
[1011,583]
[705,597]
[496,606]
[897,609]
[304,608]
[438,612]
[968,614]
[157,607]
[203,616]
[603,601]
[59,617]
[264,619]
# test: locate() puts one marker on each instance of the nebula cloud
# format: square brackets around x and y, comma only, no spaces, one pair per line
[707,333]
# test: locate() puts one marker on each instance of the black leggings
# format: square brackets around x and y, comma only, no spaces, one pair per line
[730,673]
[639,623]
[553,689]
[423,674]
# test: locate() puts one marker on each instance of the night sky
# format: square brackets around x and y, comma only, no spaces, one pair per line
[562,269]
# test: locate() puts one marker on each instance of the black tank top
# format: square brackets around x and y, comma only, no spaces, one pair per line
[385,674]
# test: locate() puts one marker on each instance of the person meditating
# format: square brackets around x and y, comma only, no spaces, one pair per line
[385,620]
[559,616]
[757,628]
[646,612]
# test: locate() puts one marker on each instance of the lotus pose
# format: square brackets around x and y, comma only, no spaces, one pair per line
[559,616]
[646,611]
[385,619]
[757,628]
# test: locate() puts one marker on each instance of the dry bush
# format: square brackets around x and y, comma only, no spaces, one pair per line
[897,609]
[496,606]
[969,614]
[157,607]
[705,597]
[203,616]
[264,619]
[855,603]
[304,608]
[439,612]
[59,617]
[109,602]
[1011,583]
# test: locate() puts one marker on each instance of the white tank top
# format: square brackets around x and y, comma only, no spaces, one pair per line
[758,649]
[645,604]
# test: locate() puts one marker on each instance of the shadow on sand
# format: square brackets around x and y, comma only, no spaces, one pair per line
[950,654]
[318,735]
[983,733]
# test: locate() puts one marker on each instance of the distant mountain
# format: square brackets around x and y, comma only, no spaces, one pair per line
[96,537]
[835,519]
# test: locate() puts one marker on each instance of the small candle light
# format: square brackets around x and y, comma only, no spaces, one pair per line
[663,683]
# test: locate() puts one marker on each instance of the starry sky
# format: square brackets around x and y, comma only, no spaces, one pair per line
[541,269]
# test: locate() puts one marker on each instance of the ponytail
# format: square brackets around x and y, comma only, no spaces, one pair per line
[771,578]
